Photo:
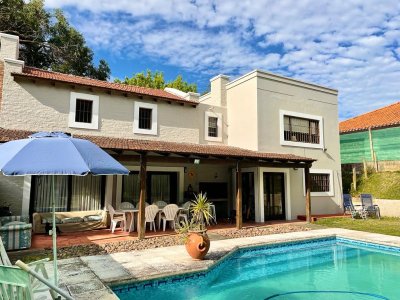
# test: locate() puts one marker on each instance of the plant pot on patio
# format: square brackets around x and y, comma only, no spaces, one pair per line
[197,244]
[194,232]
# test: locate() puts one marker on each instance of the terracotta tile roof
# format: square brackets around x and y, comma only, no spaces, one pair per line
[382,117]
[34,73]
[167,147]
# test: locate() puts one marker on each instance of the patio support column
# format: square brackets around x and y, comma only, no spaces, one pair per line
[308,193]
[239,215]
[142,198]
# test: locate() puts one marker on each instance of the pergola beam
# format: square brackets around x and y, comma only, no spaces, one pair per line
[239,214]
[307,180]
[142,196]
[246,163]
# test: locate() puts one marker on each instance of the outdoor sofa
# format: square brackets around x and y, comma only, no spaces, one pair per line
[71,221]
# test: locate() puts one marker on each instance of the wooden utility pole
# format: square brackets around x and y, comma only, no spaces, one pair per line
[142,197]
[239,216]
[308,194]
[114,191]
[365,169]
[354,178]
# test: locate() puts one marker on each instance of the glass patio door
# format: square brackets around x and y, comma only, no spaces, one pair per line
[274,196]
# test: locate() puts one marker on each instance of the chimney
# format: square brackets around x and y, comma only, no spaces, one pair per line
[218,89]
[9,46]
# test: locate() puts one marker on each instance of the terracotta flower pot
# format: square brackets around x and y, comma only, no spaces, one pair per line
[197,244]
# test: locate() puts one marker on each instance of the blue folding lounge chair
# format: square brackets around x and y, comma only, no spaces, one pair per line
[355,210]
[369,206]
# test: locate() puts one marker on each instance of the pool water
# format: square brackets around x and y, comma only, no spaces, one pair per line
[332,269]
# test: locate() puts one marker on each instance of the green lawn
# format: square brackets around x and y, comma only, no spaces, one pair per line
[390,226]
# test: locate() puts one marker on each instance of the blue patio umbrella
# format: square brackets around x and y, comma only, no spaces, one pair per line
[56,153]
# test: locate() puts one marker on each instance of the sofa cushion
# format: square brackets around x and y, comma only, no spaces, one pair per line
[93,218]
[50,220]
[72,220]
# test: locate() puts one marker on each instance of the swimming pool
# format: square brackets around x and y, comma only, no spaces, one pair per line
[328,268]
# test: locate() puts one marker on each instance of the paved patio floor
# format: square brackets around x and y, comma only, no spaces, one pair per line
[89,277]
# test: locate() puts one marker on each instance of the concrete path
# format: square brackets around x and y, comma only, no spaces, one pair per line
[89,277]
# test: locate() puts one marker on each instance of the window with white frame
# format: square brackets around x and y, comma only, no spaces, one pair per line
[145,118]
[301,130]
[321,181]
[213,126]
[84,111]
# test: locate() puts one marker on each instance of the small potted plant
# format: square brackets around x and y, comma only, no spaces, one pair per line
[194,232]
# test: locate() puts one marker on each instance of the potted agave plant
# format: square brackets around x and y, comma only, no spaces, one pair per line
[194,232]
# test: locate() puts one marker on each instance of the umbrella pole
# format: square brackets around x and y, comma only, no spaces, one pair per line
[54,231]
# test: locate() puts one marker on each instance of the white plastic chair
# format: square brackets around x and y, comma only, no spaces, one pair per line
[145,205]
[213,213]
[150,215]
[126,205]
[184,213]
[169,214]
[161,204]
[116,217]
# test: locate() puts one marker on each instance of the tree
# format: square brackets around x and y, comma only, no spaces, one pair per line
[48,41]
[156,81]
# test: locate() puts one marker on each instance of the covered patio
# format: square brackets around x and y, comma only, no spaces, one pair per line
[200,168]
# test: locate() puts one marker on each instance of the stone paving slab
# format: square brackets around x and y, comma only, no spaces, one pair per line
[89,277]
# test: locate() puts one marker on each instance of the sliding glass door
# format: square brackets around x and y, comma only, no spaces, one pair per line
[160,186]
[73,193]
[274,196]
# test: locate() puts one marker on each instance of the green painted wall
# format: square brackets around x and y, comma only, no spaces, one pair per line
[354,147]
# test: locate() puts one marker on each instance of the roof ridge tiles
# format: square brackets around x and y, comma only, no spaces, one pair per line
[34,72]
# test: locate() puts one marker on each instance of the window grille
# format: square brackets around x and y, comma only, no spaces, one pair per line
[83,111]
[320,182]
[212,126]
[145,118]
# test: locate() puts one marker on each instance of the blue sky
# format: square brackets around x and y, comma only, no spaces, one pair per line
[353,46]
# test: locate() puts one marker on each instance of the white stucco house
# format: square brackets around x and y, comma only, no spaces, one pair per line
[255,135]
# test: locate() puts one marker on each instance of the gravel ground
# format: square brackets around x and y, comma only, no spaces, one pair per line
[256,231]
[148,243]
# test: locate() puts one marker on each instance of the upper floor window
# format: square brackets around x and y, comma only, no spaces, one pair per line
[84,111]
[301,130]
[145,118]
[213,126]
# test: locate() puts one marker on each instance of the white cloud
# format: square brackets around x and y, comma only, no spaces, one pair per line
[349,45]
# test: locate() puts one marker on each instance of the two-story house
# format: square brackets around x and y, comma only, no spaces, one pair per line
[250,141]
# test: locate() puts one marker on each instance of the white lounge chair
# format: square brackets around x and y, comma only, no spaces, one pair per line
[150,215]
[161,204]
[116,217]
[126,205]
[169,214]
